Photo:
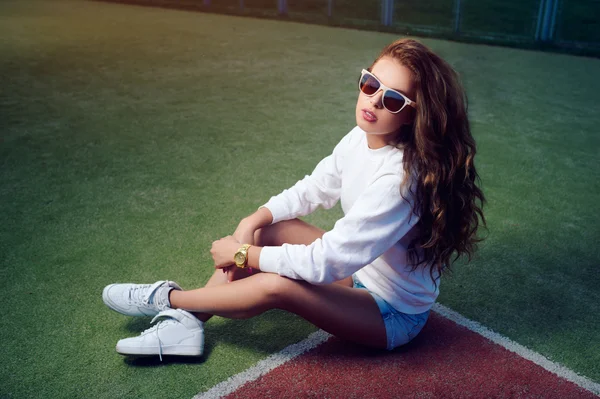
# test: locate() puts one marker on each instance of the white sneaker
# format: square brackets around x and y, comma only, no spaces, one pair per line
[139,299]
[180,334]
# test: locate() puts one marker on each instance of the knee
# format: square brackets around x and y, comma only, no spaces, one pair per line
[272,291]
[275,286]
[268,235]
[259,237]
[265,236]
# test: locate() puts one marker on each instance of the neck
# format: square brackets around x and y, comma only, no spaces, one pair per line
[377,141]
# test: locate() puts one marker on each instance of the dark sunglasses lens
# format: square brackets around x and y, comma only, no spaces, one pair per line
[393,101]
[369,85]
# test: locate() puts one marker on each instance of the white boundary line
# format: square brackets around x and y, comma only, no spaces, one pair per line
[264,366]
[520,350]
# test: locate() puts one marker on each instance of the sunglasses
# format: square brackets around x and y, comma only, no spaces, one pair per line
[392,100]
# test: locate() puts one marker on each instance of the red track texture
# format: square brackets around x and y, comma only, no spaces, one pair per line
[445,361]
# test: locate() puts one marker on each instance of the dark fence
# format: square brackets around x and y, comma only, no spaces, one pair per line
[571,25]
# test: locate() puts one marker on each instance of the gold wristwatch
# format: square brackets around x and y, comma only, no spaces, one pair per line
[241,256]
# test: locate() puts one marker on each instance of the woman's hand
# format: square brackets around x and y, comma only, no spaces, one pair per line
[223,251]
[244,234]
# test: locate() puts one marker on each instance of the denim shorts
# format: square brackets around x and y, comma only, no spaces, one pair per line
[400,328]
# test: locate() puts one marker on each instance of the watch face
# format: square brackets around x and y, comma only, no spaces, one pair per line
[239,258]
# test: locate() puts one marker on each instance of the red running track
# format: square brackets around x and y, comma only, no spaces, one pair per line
[445,361]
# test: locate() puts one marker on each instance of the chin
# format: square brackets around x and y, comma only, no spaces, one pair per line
[366,126]
[369,129]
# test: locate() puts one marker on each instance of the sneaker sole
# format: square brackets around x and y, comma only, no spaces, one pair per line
[175,350]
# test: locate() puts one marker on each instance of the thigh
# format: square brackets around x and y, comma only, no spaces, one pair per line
[348,313]
[294,231]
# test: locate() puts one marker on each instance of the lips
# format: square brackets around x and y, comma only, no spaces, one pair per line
[368,115]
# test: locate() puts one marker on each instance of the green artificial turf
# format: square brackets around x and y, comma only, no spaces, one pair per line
[132,137]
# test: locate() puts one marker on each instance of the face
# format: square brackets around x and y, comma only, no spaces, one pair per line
[371,116]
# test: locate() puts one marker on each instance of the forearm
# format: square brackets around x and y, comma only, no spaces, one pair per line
[259,219]
[254,257]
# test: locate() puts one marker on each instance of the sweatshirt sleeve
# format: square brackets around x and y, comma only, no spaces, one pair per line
[378,219]
[321,188]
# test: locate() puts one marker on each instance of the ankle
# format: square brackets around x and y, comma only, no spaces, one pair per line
[172,297]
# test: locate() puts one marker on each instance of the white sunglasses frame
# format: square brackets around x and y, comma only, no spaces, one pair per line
[407,101]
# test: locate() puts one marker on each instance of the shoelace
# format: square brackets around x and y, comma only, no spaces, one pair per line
[143,295]
[174,317]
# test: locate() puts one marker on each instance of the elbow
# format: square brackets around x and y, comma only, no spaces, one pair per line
[323,280]
[319,278]
[329,273]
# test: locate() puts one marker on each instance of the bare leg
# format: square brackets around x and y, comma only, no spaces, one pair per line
[293,231]
[345,312]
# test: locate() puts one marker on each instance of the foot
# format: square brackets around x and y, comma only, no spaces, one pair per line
[139,299]
[180,333]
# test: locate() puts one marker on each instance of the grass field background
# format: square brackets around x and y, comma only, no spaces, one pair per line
[133,137]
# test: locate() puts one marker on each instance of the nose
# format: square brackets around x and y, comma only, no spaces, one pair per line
[376,99]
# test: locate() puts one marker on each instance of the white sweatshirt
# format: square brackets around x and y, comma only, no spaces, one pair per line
[370,240]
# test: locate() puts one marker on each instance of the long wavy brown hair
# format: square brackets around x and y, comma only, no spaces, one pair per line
[438,162]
